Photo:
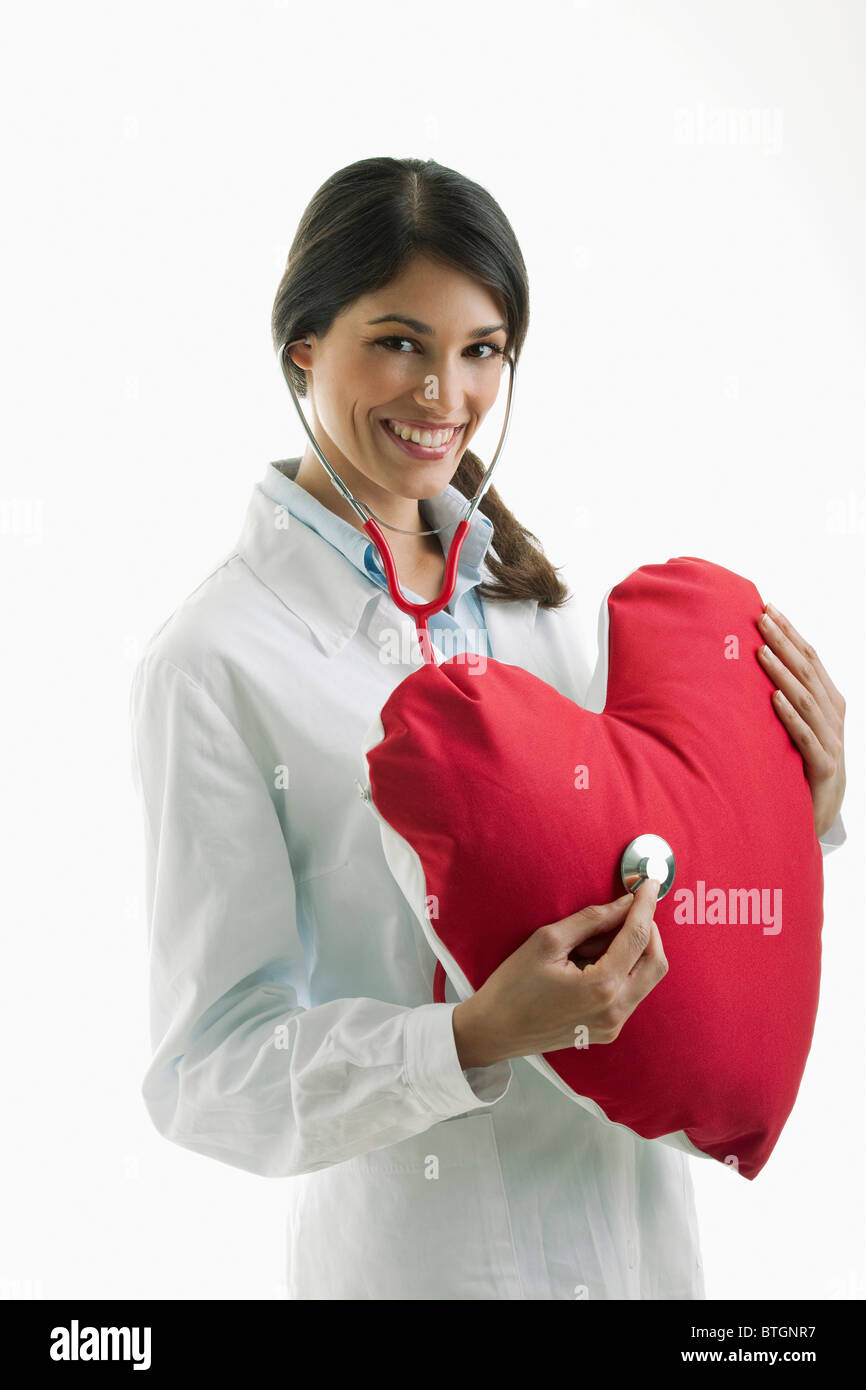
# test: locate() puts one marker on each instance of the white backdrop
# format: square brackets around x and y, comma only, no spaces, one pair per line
[687,184]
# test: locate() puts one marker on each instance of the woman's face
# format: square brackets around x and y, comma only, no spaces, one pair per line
[423,354]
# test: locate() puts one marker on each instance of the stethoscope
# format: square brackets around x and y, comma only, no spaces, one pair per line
[372,524]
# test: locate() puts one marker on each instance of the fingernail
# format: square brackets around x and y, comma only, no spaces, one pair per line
[654,883]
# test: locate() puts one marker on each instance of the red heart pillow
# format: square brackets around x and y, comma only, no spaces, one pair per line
[504,805]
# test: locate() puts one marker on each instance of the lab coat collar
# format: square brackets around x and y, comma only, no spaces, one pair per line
[330,595]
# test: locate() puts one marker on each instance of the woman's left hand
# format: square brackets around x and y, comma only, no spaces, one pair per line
[811,709]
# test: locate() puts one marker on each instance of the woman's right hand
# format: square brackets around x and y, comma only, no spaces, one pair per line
[536,999]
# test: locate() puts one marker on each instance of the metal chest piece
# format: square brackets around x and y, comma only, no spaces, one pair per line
[648,856]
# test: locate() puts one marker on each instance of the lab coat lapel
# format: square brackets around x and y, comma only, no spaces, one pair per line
[510,629]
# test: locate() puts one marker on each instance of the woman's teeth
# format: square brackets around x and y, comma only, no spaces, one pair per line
[425,437]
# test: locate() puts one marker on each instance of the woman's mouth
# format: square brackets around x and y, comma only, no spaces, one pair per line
[421,443]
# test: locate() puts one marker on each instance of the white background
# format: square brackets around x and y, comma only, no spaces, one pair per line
[686,181]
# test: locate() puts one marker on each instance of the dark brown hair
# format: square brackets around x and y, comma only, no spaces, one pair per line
[357,233]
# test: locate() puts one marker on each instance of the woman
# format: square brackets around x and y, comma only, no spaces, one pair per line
[293,1030]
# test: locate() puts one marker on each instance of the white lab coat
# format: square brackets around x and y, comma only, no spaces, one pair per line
[292,1020]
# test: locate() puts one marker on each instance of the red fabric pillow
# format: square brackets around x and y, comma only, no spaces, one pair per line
[493,830]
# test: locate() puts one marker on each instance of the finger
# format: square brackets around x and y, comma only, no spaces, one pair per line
[591,921]
[778,629]
[812,704]
[812,712]
[629,945]
[818,756]
[644,976]
[786,665]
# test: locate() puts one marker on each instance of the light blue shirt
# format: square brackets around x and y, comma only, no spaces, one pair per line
[462,626]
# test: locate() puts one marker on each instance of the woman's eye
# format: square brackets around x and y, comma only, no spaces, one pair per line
[394,339]
[493,348]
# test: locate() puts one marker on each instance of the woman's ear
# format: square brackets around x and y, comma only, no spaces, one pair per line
[301,353]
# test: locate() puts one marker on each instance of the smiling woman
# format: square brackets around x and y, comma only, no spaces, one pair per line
[293,1033]
[448,307]
[430,439]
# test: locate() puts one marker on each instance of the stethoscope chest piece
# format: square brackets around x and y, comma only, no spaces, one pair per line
[648,856]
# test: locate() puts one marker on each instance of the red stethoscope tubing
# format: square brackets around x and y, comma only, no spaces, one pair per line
[420,611]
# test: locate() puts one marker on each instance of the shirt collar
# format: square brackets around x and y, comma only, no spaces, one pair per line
[313,578]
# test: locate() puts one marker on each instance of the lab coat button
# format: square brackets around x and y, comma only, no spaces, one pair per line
[363,792]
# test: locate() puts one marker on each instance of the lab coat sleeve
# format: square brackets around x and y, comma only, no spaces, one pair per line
[834,837]
[241,1071]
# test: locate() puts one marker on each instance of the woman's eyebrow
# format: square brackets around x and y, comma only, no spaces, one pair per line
[418,327]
